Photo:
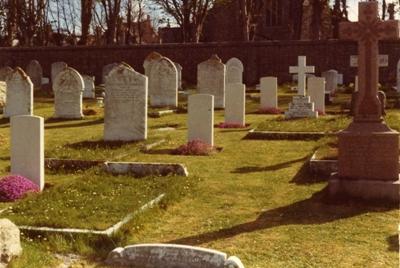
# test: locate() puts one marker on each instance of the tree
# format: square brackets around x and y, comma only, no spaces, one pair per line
[111,10]
[249,11]
[86,19]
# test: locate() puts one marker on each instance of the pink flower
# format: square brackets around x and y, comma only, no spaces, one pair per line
[15,187]
[230,125]
[194,147]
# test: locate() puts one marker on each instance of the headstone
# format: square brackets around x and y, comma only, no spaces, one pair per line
[88,87]
[35,72]
[340,79]
[368,162]
[163,84]
[10,242]
[234,71]
[106,70]
[398,77]
[27,148]
[5,72]
[381,96]
[56,68]
[125,111]
[302,69]
[150,59]
[3,94]
[331,78]
[19,94]
[68,88]
[201,118]
[170,256]
[269,93]
[179,69]
[316,91]
[235,104]
[211,79]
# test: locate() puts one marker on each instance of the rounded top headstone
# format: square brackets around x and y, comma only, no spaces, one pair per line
[69,79]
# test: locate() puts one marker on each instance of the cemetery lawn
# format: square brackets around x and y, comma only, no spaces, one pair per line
[255,199]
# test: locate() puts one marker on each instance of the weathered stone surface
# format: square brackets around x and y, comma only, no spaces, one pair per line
[211,80]
[125,111]
[106,70]
[301,70]
[383,60]
[19,94]
[234,71]
[163,83]
[171,256]
[316,91]
[150,59]
[3,94]
[235,104]
[35,72]
[89,88]
[269,93]
[27,148]
[5,72]
[10,243]
[201,118]
[179,68]
[68,88]
[56,68]
[301,107]
[331,78]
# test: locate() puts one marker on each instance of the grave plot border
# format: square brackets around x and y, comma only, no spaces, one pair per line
[253,134]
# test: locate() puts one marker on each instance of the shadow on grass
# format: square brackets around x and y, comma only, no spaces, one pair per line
[393,242]
[160,151]
[250,169]
[305,176]
[101,144]
[318,209]
[81,123]
[4,121]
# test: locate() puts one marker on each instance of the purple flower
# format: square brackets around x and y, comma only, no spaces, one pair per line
[230,125]
[15,187]
[195,147]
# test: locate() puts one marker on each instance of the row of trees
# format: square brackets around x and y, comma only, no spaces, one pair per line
[52,22]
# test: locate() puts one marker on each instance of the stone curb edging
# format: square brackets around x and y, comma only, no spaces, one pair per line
[159,114]
[322,167]
[274,135]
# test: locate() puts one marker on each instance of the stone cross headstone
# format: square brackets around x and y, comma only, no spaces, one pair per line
[398,77]
[211,80]
[201,118]
[332,81]
[368,162]
[125,117]
[56,68]
[89,88]
[301,70]
[235,104]
[234,71]
[19,94]
[35,72]
[179,69]
[106,70]
[163,84]
[316,91]
[27,148]
[383,61]
[5,72]
[150,59]
[269,93]
[68,88]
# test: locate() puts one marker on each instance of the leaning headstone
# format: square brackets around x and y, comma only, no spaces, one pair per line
[201,118]
[163,84]
[106,70]
[27,148]
[5,72]
[150,59]
[179,69]
[68,88]
[235,104]
[125,117]
[19,94]
[316,91]
[171,256]
[331,78]
[56,68]
[234,71]
[10,242]
[211,79]
[398,77]
[35,72]
[89,88]
[269,93]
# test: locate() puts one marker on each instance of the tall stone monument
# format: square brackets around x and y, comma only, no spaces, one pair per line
[368,148]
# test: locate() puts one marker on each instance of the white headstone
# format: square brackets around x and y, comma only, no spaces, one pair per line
[340,79]
[35,72]
[89,88]
[125,117]
[211,79]
[150,59]
[201,118]
[56,68]
[235,104]
[234,71]
[68,89]
[163,84]
[106,70]
[5,72]
[269,93]
[179,69]
[316,91]
[398,76]
[301,107]
[19,94]
[27,148]
[331,78]
[302,69]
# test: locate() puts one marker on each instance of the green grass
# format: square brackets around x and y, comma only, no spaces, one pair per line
[255,199]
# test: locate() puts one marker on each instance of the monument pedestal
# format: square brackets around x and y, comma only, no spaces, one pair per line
[301,107]
[368,163]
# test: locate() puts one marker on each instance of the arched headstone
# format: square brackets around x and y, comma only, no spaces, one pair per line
[35,72]
[234,71]
[163,82]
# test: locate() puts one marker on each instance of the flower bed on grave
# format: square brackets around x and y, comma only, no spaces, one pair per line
[16,187]
[195,147]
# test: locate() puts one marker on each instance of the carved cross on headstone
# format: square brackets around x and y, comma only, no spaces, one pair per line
[367,32]
[301,70]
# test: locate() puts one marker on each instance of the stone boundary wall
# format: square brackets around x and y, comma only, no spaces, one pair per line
[259,58]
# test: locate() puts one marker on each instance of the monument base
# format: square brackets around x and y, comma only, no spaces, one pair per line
[301,107]
[365,189]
